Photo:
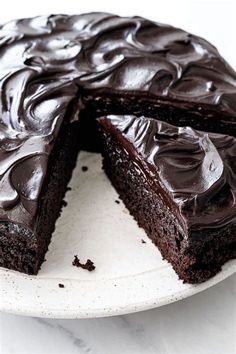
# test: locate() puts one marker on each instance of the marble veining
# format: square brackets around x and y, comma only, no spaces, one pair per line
[202,324]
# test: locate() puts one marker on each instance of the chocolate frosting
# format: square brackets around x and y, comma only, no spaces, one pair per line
[46,62]
[197,170]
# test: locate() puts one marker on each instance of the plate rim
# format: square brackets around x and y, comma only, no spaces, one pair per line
[76,313]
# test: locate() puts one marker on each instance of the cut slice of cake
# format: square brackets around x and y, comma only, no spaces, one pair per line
[180,186]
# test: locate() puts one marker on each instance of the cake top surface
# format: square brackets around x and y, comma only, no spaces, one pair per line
[196,169]
[103,51]
[46,62]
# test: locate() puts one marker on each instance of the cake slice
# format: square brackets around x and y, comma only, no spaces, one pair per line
[180,186]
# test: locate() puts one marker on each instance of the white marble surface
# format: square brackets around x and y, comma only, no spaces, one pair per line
[202,324]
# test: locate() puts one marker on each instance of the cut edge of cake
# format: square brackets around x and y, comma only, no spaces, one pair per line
[196,253]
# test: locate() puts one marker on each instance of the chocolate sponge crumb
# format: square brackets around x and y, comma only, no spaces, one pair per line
[61,285]
[63,203]
[89,265]
[84,168]
[143,241]
[117,201]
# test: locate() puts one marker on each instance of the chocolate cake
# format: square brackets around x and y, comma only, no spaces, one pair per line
[58,74]
[180,186]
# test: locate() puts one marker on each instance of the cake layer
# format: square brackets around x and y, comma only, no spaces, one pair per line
[180,185]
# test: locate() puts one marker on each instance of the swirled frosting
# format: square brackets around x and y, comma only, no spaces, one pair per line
[48,62]
[197,170]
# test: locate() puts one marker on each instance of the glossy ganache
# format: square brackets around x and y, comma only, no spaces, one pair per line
[196,169]
[48,63]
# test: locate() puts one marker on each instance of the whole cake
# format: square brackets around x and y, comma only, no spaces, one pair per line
[58,74]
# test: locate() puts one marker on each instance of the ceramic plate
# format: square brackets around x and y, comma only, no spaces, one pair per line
[130,274]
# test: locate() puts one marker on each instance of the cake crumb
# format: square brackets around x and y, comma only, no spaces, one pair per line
[61,285]
[68,188]
[117,201]
[84,168]
[89,265]
[63,203]
[143,241]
